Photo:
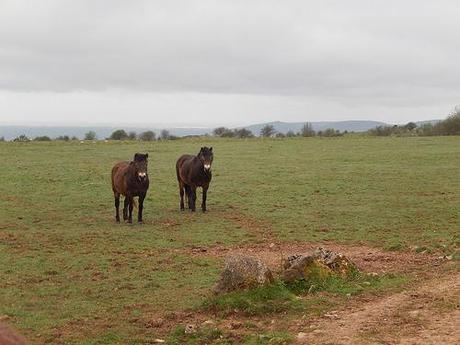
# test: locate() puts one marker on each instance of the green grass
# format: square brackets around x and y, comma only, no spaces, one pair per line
[70,273]
[299,296]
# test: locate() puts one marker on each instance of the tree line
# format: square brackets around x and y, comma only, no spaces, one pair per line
[119,134]
[269,131]
[448,126]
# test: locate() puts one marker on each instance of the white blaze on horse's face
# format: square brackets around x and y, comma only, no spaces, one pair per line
[142,175]
[207,166]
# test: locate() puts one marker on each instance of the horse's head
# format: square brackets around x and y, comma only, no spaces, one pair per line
[206,156]
[140,165]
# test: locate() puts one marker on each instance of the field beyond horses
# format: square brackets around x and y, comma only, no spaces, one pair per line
[71,275]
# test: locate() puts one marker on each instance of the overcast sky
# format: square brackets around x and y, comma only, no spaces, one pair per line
[227,62]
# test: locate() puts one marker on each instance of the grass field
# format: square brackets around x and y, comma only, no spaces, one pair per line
[70,274]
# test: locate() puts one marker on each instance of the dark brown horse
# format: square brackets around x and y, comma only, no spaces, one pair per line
[193,172]
[130,179]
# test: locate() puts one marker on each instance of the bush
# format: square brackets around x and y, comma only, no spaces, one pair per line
[42,138]
[147,136]
[119,134]
[165,135]
[449,126]
[243,133]
[307,130]
[290,134]
[330,132]
[91,135]
[21,138]
[132,135]
[267,131]
[63,138]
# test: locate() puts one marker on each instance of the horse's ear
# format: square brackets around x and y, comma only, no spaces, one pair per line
[146,155]
[136,156]
[210,149]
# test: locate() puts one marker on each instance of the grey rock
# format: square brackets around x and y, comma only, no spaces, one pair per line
[241,272]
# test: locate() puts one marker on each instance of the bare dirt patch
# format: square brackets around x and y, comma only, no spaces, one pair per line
[368,259]
[426,314]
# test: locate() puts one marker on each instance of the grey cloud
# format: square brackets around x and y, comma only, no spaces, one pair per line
[391,53]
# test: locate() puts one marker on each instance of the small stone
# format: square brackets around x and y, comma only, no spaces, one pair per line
[272,245]
[189,329]
[159,341]
[301,335]
[208,322]
[236,325]
[414,313]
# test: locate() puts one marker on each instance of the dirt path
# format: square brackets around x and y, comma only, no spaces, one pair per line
[429,314]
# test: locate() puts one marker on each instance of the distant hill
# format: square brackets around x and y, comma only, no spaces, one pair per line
[350,126]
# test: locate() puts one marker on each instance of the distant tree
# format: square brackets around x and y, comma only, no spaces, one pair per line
[410,126]
[219,131]
[330,132]
[74,138]
[165,135]
[119,134]
[290,133]
[224,132]
[449,126]
[267,131]
[243,133]
[91,135]
[21,138]
[280,135]
[132,135]
[63,138]
[147,136]
[2,138]
[307,130]
[425,129]
[42,138]
[381,131]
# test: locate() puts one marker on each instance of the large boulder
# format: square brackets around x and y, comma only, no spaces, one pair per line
[319,265]
[242,272]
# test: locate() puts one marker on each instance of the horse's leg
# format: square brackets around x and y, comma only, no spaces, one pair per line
[130,208]
[141,207]
[125,208]
[193,197]
[181,193]
[117,206]
[188,196]
[203,201]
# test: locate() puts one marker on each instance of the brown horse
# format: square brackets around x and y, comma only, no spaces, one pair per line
[130,179]
[193,172]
